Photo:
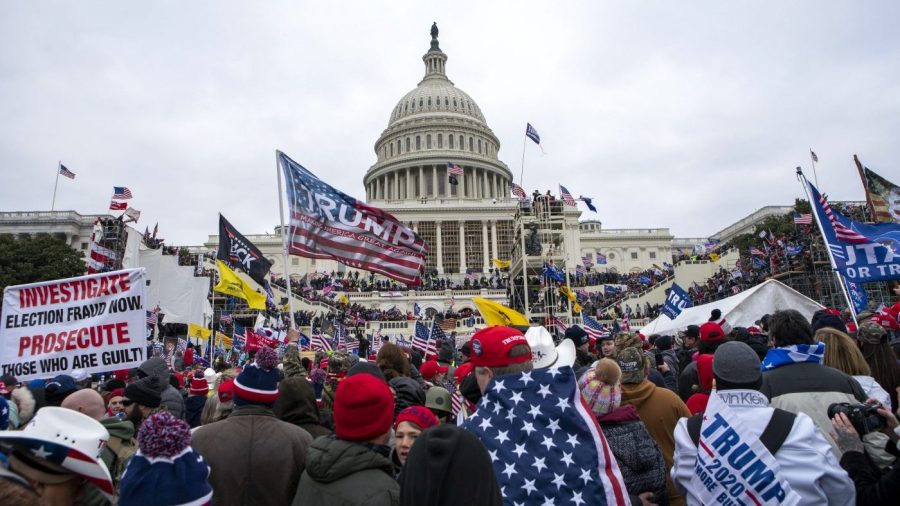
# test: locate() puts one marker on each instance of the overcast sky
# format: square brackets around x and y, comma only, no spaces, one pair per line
[686,115]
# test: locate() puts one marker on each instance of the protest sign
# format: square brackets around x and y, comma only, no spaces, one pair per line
[676,301]
[95,323]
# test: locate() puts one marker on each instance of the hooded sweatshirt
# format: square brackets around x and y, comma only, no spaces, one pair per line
[296,404]
[171,398]
[121,446]
[697,402]
[448,466]
[345,473]
[193,409]
[659,409]
[408,393]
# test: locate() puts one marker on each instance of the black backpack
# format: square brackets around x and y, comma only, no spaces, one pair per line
[772,436]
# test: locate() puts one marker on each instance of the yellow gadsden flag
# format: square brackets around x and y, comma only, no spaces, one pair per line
[223,340]
[198,332]
[231,284]
[714,257]
[500,264]
[495,313]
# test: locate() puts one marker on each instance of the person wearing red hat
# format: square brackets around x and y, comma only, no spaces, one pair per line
[353,466]
[711,336]
[498,351]
[407,427]
[196,401]
[433,372]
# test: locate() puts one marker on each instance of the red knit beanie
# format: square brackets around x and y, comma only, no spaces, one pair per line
[420,416]
[363,408]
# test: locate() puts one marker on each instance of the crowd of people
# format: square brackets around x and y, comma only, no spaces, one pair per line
[789,410]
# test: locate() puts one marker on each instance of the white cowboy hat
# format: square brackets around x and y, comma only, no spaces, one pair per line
[543,352]
[68,439]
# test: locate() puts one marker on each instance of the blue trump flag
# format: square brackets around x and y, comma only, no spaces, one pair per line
[545,444]
[858,296]
[677,300]
[861,253]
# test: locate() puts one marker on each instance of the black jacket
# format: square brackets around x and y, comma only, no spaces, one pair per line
[872,487]
[193,408]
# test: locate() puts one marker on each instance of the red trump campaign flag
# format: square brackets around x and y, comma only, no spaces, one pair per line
[327,223]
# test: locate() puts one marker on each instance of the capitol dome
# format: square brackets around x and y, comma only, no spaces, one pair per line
[434,125]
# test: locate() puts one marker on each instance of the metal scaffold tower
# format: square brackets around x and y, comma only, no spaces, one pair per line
[539,241]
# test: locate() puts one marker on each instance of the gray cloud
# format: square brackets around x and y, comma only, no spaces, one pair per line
[680,115]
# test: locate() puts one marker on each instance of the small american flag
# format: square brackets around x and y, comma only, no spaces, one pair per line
[626,326]
[153,316]
[841,231]
[117,206]
[340,332]
[422,340]
[454,169]
[226,318]
[754,251]
[63,171]
[121,193]
[518,191]
[802,219]
[594,328]
[812,154]
[566,196]
[320,343]
[559,324]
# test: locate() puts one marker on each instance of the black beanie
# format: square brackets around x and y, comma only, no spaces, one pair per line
[716,315]
[448,465]
[145,391]
[693,331]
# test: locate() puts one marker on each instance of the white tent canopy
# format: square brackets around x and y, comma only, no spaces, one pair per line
[740,310]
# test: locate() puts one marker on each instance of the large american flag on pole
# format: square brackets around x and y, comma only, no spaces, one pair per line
[327,223]
[566,196]
[320,342]
[594,328]
[423,340]
[518,192]
[545,444]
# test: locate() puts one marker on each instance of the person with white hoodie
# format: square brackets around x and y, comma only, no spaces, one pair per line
[805,464]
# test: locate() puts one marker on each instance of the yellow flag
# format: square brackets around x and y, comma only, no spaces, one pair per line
[223,340]
[231,284]
[343,299]
[500,264]
[576,308]
[198,332]
[714,257]
[497,314]
[564,290]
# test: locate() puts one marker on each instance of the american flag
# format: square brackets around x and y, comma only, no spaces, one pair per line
[559,324]
[423,340]
[594,328]
[587,262]
[117,206]
[121,193]
[353,347]
[540,434]
[472,274]
[802,219]
[376,341]
[181,344]
[814,156]
[566,196]
[518,191]
[153,316]
[327,223]
[455,401]
[226,318]
[63,171]
[841,231]
[72,459]
[454,170]
[238,337]
[340,332]
[626,326]
[754,251]
[448,324]
[321,343]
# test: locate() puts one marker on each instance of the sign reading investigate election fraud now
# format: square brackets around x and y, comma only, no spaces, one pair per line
[95,323]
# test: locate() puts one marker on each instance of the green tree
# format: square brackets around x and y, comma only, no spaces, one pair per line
[34,259]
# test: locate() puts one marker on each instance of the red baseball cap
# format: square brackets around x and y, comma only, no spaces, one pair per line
[491,347]
[460,373]
[711,331]
[431,369]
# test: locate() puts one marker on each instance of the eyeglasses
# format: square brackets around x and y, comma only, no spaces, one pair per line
[127,402]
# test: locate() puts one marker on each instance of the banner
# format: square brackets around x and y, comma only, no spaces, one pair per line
[730,473]
[500,264]
[236,249]
[327,223]
[95,323]
[231,284]
[677,300]
[858,295]
[862,253]
[882,196]
[198,331]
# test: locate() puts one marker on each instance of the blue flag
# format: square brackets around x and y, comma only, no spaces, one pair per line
[792,251]
[587,202]
[644,279]
[532,134]
[545,445]
[610,290]
[862,253]
[677,300]
[858,295]
[553,273]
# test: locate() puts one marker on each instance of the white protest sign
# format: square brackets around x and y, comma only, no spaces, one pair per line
[733,467]
[95,323]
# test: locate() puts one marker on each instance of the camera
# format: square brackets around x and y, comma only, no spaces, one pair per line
[864,417]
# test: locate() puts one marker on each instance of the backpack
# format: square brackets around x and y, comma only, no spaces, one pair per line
[772,436]
[122,454]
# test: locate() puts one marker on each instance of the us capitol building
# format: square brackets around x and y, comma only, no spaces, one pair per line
[465,225]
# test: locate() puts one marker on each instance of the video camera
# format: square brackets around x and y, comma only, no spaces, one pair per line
[864,417]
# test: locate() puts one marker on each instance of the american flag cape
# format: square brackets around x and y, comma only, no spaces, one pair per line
[327,223]
[545,444]
[72,459]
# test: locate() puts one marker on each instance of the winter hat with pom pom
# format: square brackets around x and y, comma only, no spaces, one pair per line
[165,471]
[601,387]
[258,382]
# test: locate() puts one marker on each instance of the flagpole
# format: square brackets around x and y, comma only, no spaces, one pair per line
[55,185]
[522,170]
[813,162]
[840,278]
[284,249]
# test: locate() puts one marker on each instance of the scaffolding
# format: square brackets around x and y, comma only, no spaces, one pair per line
[539,241]
[111,234]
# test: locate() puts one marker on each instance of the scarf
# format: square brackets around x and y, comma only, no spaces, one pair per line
[793,354]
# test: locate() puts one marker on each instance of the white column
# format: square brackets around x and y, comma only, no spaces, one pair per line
[409,185]
[421,181]
[496,254]
[484,246]
[434,182]
[462,247]
[396,184]
[415,227]
[476,186]
[487,188]
[439,251]
[375,187]
[497,193]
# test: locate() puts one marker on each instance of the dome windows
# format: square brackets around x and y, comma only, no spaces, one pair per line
[418,142]
[479,146]
[462,143]
[429,101]
[428,141]
[471,144]
[421,103]
[446,102]
[440,141]
[408,149]
[450,138]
